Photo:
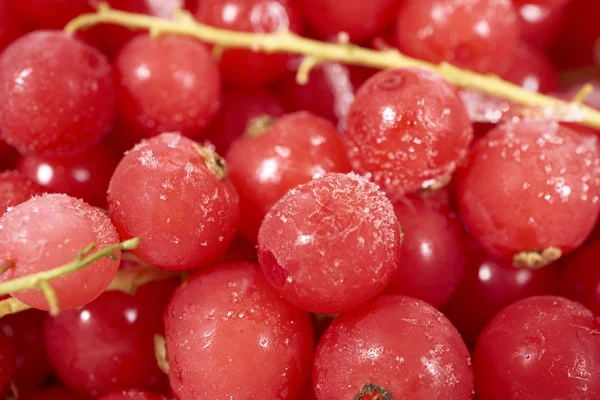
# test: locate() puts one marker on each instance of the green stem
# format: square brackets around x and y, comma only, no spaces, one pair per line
[82,260]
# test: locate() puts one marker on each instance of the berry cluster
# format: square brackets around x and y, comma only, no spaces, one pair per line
[186,219]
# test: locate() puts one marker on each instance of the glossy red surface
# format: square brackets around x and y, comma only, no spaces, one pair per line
[540,20]
[579,278]
[55,229]
[476,34]
[532,70]
[331,244]
[50,106]
[539,348]
[360,19]
[432,252]
[15,189]
[487,286]
[294,150]
[406,129]
[230,335]
[108,344]
[84,176]
[132,395]
[25,332]
[164,192]
[549,176]
[169,84]
[398,344]
[245,67]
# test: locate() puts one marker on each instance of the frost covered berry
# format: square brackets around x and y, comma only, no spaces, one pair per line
[174,195]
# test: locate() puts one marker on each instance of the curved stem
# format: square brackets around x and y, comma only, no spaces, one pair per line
[82,260]
[12,306]
[285,41]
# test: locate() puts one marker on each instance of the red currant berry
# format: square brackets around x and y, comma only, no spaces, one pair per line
[328,93]
[540,20]
[16,189]
[580,276]
[478,34]
[433,251]
[132,394]
[246,67]
[240,110]
[304,242]
[169,84]
[50,393]
[539,348]
[120,328]
[174,195]
[549,173]
[407,128]
[361,20]
[393,347]
[230,335]
[6,364]
[51,106]
[294,150]
[84,176]
[11,26]
[25,331]
[487,286]
[532,70]
[49,231]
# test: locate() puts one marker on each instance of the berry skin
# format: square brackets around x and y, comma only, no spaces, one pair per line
[579,278]
[132,394]
[245,67]
[476,34]
[361,20]
[396,346]
[487,286]
[229,335]
[168,84]
[539,348]
[50,231]
[16,189]
[406,129]
[433,251]
[84,176]
[305,239]
[24,331]
[294,150]
[120,328]
[239,111]
[550,176]
[50,106]
[164,191]
[540,20]
[532,70]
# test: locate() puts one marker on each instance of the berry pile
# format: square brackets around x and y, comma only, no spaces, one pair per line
[182,219]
